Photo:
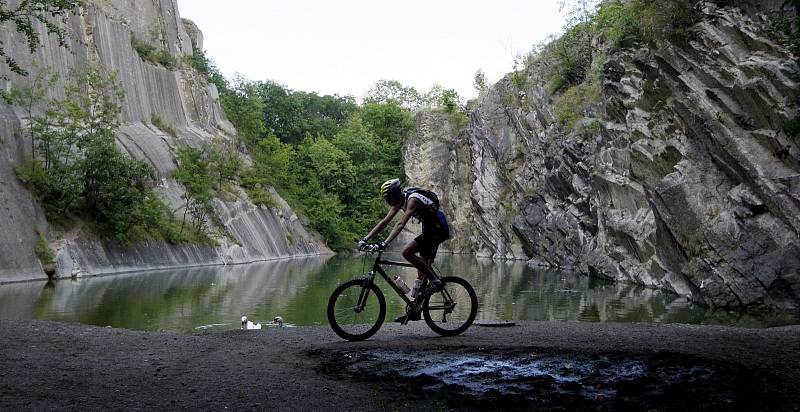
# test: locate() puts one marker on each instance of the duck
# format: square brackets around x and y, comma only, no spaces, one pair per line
[278,321]
[247,325]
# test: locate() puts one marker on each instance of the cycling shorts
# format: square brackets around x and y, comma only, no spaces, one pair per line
[435,230]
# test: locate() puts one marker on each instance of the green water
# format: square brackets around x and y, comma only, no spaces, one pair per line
[215,298]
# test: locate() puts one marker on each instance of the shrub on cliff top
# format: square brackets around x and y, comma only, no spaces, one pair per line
[620,23]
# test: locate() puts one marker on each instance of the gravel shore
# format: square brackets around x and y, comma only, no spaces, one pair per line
[50,365]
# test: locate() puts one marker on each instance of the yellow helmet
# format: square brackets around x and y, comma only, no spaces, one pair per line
[390,186]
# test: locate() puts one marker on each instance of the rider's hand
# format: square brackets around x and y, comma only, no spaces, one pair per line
[362,245]
[381,246]
[375,247]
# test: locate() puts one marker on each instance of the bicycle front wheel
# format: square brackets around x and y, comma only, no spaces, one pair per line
[451,311]
[356,312]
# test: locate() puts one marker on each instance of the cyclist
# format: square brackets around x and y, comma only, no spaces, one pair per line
[422,205]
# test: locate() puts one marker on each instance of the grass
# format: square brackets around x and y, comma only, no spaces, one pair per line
[261,197]
[163,125]
[151,54]
[618,23]
[42,249]
[571,105]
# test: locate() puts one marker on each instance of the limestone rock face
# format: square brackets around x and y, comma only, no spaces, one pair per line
[678,178]
[182,98]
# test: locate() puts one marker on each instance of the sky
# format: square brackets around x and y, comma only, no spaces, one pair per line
[345,46]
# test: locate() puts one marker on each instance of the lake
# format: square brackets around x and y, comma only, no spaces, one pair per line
[214,298]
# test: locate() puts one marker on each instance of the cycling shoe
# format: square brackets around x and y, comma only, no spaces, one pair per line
[409,316]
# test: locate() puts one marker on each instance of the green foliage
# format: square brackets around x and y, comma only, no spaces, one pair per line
[619,22]
[448,99]
[163,125]
[566,107]
[195,174]
[32,96]
[392,91]
[67,132]
[42,249]
[203,172]
[199,61]
[520,80]
[642,20]
[261,197]
[573,103]
[568,58]
[324,154]
[271,163]
[480,83]
[77,167]
[48,12]
[114,185]
[150,53]
[792,127]
[260,108]
[407,97]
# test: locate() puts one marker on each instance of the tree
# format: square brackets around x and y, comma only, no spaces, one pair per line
[224,161]
[272,160]
[115,186]
[244,107]
[438,96]
[480,83]
[386,91]
[32,97]
[79,166]
[194,174]
[577,11]
[23,16]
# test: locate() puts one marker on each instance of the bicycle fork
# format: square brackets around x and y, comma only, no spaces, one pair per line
[364,295]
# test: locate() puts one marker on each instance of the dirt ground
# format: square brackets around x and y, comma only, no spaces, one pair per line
[49,366]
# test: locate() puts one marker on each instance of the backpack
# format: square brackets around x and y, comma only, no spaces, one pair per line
[428,209]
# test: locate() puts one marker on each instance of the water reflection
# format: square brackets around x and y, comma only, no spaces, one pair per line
[298,290]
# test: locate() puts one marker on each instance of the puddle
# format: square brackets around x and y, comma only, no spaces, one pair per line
[514,379]
[481,374]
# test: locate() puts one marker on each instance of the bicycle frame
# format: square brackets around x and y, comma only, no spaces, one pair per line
[376,268]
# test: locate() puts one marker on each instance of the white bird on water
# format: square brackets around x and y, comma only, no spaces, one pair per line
[247,325]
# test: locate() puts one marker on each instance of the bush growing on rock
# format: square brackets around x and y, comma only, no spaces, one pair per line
[77,168]
[616,22]
[151,54]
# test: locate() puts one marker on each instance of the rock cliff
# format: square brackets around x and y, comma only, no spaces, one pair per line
[678,178]
[183,98]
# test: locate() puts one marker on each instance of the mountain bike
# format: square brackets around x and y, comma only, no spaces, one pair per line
[357,308]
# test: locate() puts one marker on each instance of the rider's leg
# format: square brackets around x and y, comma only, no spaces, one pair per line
[410,254]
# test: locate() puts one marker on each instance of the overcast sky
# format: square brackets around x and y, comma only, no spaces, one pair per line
[345,46]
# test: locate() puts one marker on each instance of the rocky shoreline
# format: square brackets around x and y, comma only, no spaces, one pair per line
[50,365]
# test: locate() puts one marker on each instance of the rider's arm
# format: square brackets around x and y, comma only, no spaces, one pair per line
[410,208]
[382,224]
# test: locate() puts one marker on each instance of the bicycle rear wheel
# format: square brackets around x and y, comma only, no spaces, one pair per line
[451,311]
[356,312]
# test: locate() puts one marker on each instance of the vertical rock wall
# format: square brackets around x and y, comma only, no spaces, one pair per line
[183,98]
[679,178]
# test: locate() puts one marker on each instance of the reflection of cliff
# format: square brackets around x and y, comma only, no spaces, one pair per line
[178,300]
[512,290]
[299,289]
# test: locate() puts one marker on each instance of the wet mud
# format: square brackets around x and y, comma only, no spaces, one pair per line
[523,380]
